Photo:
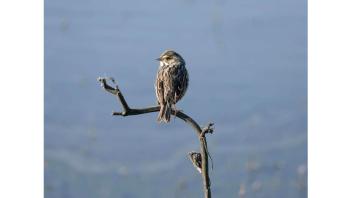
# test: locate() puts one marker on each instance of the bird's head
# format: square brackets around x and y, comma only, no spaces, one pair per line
[170,57]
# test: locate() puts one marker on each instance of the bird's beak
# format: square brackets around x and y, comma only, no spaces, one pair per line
[158,59]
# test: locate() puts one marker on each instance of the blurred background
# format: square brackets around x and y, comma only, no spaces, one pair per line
[247,61]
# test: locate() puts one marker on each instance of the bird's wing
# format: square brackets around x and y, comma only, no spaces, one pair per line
[181,84]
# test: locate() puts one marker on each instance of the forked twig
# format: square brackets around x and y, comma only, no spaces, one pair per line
[127,111]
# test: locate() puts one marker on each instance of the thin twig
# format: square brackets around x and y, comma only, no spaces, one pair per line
[127,111]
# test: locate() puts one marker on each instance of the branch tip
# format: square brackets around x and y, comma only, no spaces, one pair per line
[208,129]
[119,113]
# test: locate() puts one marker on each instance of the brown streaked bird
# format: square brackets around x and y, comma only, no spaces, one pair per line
[171,83]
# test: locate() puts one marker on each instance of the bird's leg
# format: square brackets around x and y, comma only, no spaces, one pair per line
[175,110]
[173,107]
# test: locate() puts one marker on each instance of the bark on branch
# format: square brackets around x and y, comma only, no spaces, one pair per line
[127,111]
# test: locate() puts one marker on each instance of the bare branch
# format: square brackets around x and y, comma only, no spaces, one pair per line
[127,111]
[115,91]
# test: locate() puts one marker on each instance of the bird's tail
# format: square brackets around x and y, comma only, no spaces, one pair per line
[164,113]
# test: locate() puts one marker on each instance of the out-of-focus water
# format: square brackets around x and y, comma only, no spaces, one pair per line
[248,75]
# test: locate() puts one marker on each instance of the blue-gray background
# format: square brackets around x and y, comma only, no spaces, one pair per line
[248,74]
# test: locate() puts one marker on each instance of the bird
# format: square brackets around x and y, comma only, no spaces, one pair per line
[171,83]
[196,159]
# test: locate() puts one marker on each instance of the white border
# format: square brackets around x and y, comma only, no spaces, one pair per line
[21,101]
[329,99]
[329,107]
